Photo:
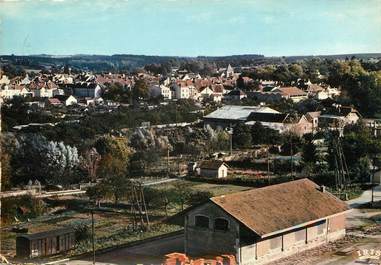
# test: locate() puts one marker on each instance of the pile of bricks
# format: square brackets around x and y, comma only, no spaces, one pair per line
[182,259]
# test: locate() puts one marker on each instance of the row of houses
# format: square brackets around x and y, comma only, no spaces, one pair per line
[177,86]
[231,115]
[49,86]
[218,92]
[47,90]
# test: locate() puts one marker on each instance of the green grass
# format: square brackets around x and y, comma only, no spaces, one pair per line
[215,189]
[123,236]
[349,194]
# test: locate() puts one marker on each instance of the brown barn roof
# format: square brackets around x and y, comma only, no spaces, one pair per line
[211,164]
[279,207]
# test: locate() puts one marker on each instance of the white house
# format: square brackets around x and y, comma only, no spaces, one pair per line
[165,92]
[43,92]
[25,81]
[67,100]
[213,169]
[4,80]
[8,92]
[235,94]
[205,93]
[91,90]
[181,92]
[58,92]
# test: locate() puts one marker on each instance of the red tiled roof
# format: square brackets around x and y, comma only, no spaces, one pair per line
[291,91]
[54,101]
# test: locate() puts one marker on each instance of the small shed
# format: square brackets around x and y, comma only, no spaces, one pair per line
[213,169]
[45,243]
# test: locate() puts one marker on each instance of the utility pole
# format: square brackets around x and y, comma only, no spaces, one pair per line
[372,200]
[374,164]
[230,132]
[231,143]
[167,160]
[268,165]
[292,159]
[93,234]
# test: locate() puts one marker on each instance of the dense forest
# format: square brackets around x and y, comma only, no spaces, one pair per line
[128,62]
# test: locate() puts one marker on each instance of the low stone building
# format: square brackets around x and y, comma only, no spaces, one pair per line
[230,115]
[212,169]
[265,224]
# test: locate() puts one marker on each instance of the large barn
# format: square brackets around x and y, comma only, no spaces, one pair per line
[265,224]
[230,115]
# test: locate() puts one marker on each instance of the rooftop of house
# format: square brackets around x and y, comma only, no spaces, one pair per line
[340,111]
[280,207]
[237,92]
[54,101]
[313,114]
[314,88]
[211,164]
[234,112]
[267,117]
[63,97]
[290,91]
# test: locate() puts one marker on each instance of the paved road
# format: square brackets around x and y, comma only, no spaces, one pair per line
[366,197]
[358,217]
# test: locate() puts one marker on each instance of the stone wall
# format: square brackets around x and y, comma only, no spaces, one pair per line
[293,242]
[199,241]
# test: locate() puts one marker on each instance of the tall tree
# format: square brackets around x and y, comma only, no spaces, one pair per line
[140,89]
[62,163]
[114,178]
[241,136]
[50,162]
[258,134]
[90,162]
[309,153]
[240,82]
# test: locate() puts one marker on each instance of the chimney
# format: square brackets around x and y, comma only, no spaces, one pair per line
[322,188]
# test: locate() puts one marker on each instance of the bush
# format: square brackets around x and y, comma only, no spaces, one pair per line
[199,197]
[82,232]
[244,182]
[21,208]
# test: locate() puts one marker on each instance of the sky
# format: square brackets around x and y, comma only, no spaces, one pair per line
[190,27]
